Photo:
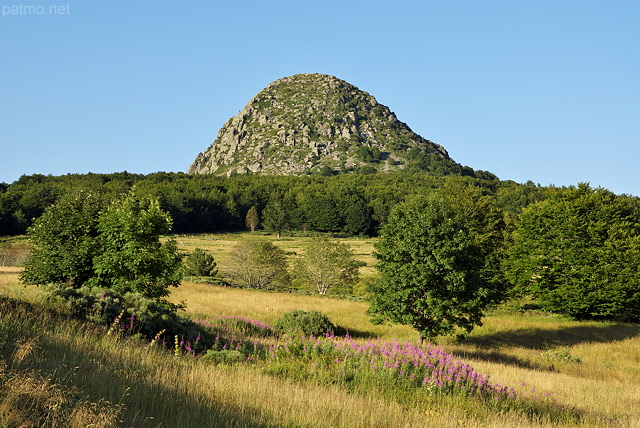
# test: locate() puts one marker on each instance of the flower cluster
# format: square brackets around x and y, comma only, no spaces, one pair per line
[393,362]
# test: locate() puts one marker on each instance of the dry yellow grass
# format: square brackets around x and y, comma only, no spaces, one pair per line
[214,301]
[590,366]
[221,245]
[593,367]
[147,387]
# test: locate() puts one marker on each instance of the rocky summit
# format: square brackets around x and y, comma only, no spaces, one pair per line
[310,123]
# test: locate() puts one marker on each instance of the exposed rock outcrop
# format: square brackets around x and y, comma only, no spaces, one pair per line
[306,122]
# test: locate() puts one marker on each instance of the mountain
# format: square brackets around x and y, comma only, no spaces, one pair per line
[310,123]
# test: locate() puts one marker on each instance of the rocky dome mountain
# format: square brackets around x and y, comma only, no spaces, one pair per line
[310,123]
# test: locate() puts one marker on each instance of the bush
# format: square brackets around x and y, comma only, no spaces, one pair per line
[309,323]
[200,263]
[132,313]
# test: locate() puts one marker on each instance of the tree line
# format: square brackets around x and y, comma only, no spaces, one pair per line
[351,204]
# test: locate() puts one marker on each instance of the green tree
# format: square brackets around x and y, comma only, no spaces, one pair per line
[64,242]
[432,268]
[324,214]
[578,252]
[131,257]
[276,217]
[200,263]
[258,264]
[328,265]
[357,218]
[252,220]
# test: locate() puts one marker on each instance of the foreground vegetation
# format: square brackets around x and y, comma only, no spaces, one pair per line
[65,372]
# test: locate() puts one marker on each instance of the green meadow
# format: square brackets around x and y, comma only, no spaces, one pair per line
[59,371]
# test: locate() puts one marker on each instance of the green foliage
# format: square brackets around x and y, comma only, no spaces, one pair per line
[578,252]
[258,264]
[64,242]
[200,263]
[326,171]
[200,204]
[278,213]
[309,323]
[328,265]
[131,313]
[367,155]
[131,257]
[76,242]
[357,218]
[324,214]
[432,265]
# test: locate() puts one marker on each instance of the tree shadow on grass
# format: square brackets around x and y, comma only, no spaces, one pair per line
[356,334]
[543,339]
[540,338]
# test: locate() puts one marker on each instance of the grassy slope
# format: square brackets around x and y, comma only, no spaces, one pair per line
[593,367]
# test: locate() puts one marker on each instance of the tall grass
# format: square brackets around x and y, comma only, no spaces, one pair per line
[589,366]
[69,372]
[127,381]
[76,372]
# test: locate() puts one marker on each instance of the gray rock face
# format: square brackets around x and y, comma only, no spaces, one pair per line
[302,123]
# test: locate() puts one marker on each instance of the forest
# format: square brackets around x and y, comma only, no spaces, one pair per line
[351,204]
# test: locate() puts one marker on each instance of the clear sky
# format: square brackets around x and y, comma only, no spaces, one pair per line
[547,91]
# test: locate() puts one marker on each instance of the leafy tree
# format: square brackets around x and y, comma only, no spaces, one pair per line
[357,218]
[324,214]
[200,263]
[131,256]
[276,216]
[252,220]
[432,270]
[578,252]
[326,171]
[486,225]
[328,265]
[258,264]
[64,242]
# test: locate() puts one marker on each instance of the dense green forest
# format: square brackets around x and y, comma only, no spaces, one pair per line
[350,204]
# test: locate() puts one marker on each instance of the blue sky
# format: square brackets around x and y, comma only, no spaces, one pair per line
[547,91]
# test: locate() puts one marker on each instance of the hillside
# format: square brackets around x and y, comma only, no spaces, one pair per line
[317,123]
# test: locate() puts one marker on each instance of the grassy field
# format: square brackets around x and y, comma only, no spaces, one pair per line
[72,371]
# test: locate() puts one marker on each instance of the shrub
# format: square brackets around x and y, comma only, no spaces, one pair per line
[309,323]
[131,313]
[200,263]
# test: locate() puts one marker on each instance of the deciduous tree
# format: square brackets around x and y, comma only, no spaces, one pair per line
[578,252]
[64,241]
[252,220]
[432,267]
[131,256]
[258,264]
[328,265]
